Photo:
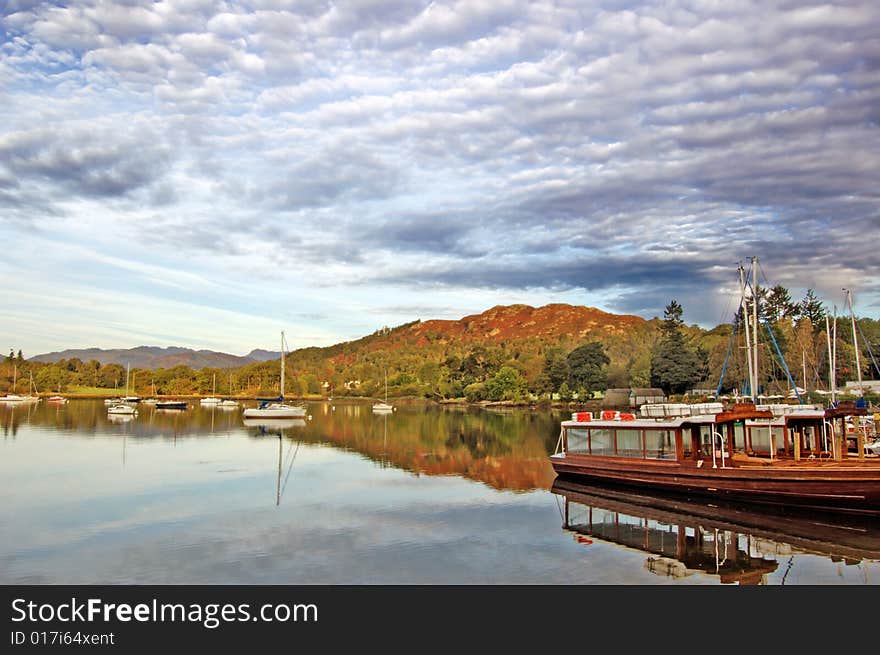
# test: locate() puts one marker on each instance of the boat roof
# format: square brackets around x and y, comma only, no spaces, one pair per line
[674,415]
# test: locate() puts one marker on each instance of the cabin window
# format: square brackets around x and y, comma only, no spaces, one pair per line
[577,441]
[760,439]
[690,442]
[629,443]
[660,444]
[779,439]
[602,441]
[706,440]
[739,437]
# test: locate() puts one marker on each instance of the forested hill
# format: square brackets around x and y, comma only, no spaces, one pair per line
[447,355]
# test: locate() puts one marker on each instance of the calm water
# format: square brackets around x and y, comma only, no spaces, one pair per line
[424,495]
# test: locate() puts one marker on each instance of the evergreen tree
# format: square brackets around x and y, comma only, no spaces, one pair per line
[587,368]
[811,308]
[778,305]
[675,366]
[555,370]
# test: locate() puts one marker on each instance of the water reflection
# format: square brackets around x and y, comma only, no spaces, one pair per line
[506,450]
[683,537]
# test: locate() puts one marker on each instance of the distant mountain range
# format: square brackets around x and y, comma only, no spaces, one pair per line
[556,323]
[154,357]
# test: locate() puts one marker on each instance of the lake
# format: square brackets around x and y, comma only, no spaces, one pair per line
[424,495]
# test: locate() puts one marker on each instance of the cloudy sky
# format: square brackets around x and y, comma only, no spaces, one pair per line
[207,173]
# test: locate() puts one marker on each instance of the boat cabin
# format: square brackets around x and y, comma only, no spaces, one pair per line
[708,433]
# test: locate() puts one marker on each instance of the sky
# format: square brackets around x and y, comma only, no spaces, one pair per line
[208,173]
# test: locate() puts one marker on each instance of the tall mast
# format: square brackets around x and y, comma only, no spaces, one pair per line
[282,364]
[852,317]
[834,358]
[755,317]
[830,356]
[745,316]
[804,367]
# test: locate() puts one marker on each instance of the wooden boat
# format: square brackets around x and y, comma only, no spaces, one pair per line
[791,455]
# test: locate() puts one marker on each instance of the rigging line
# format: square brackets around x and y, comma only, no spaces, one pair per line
[868,345]
[782,359]
[290,467]
[727,357]
[559,507]
[776,345]
[787,569]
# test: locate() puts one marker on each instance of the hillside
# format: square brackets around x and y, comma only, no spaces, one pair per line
[556,321]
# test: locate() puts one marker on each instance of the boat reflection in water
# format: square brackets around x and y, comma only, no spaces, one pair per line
[269,427]
[681,536]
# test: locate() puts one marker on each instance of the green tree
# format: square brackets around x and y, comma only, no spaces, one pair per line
[675,366]
[564,392]
[811,308]
[778,305]
[587,368]
[506,384]
[555,368]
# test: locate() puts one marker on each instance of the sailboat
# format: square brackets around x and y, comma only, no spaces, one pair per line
[57,399]
[14,397]
[228,403]
[276,407]
[212,400]
[152,400]
[384,406]
[129,398]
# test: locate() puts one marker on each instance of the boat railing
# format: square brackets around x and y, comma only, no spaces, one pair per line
[669,410]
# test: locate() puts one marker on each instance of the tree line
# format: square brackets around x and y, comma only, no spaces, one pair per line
[666,354]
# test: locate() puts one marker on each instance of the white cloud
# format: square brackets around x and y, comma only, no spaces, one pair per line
[446,145]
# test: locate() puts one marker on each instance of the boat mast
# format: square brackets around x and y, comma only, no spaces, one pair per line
[745,317]
[282,364]
[852,317]
[755,321]
[834,358]
[804,367]
[830,357]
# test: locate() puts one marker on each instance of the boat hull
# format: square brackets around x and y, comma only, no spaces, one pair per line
[823,486]
[274,412]
[171,405]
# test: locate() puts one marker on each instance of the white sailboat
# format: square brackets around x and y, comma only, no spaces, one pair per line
[228,403]
[384,406]
[212,400]
[128,398]
[14,397]
[276,407]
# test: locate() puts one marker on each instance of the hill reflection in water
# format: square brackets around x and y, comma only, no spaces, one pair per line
[503,449]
